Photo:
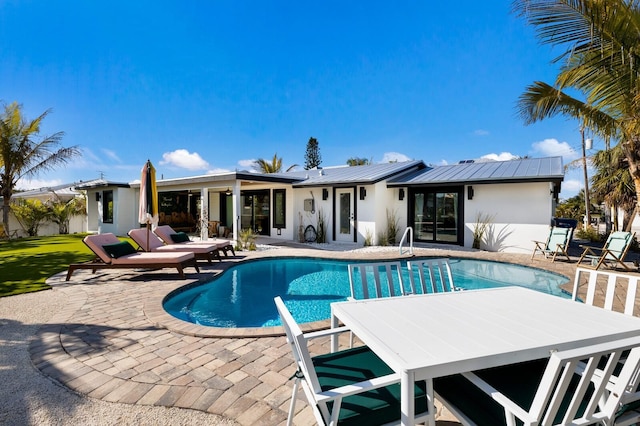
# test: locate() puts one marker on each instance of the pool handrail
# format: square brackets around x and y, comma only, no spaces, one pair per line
[409,231]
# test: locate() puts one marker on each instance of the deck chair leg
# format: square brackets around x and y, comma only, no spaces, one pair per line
[292,405]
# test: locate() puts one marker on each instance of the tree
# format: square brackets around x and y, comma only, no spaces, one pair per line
[612,183]
[23,156]
[30,214]
[312,157]
[602,50]
[357,161]
[61,212]
[275,166]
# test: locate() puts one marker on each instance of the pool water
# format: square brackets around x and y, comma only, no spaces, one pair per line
[243,295]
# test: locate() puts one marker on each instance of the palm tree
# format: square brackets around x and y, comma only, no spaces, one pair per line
[602,50]
[275,166]
[357,161]
[612,183]
[22,156]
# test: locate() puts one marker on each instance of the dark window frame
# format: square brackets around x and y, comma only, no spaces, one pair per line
[107,201]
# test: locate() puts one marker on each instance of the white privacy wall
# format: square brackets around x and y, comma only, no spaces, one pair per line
[520,213]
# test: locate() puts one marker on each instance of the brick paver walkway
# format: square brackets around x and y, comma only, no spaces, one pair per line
[108,344]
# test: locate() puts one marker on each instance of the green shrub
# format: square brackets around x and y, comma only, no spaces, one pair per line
[589,233]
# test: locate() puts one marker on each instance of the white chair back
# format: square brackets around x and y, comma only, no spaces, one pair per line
[434,275]
[616,291]
[376,279]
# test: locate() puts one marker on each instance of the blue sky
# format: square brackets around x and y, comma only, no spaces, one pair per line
[203,86]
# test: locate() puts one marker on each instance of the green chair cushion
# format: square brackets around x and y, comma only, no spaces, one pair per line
[120,249]
[519,382]
[377,406]
[180,237]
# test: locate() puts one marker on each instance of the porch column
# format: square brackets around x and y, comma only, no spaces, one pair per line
[204,214]
[236,211]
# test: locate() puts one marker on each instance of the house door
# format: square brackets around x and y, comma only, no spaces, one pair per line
[344,215]
[437,215]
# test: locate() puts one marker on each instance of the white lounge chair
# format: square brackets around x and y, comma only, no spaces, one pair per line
[150,242]
[571,387]
[111,253]
[434,275]
[353,386]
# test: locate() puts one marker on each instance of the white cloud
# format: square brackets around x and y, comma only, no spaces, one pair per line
[246,163]
[388,157]
[184,159]
[481,132]
[27,184]
[217,171]
[571,188]
[552,147]
[503,156]
[111,154]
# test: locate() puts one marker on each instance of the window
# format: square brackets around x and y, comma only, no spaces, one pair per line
[107,206]
[279,208]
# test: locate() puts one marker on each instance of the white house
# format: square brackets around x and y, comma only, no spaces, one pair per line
[441,204]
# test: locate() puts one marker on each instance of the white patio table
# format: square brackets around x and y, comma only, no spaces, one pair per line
[426,336]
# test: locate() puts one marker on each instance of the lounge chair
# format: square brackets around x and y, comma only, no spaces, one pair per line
[150,242]
[611,254]
[568,388]
[169,236]
[556,244]
[353,386]
[111,253]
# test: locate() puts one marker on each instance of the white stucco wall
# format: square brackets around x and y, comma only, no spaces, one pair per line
[520,212]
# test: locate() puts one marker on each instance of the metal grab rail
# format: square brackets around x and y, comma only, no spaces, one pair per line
[409,230]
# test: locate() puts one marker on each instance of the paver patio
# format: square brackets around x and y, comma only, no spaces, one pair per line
[113,342]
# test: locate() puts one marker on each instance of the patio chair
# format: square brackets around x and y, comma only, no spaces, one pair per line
[434,274]
[349,387]
[169,236]
[111,253]
[611,254]
[567,388]
[155,244]
[620,292]
[556,244]
[372,283]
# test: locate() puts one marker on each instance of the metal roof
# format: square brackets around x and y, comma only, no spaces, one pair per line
[354,175]
[523,170]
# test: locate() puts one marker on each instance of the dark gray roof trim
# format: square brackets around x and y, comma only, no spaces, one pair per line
[100,183]
[355,175]
[514,171]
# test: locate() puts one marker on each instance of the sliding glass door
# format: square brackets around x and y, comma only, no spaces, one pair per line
[436,215]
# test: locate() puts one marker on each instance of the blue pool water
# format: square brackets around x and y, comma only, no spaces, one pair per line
[243,295]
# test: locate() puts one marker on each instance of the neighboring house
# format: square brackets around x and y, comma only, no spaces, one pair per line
[64,193]
[441,203]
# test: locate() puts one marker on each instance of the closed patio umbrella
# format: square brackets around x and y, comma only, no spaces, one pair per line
[148,198]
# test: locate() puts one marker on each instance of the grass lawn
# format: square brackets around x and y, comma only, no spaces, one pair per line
[26,263]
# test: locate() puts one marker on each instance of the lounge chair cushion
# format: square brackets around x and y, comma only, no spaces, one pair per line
[180,237]
[377,406]
[120,249]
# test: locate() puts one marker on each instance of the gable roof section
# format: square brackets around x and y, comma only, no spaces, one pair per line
[549,169]
[355,175]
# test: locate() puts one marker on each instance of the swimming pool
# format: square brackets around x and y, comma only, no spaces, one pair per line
[243,295]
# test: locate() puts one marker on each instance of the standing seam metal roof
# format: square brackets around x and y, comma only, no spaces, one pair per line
[528,169]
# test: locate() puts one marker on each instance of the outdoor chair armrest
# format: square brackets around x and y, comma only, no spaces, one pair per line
[510,407]
[356,388]
[327,332]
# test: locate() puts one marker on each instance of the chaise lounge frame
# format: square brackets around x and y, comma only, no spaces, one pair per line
[102,260]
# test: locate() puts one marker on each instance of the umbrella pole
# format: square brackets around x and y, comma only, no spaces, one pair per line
[148,231]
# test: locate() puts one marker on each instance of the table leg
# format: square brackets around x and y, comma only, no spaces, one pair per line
[334,338]
[431,403]
[407,404]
